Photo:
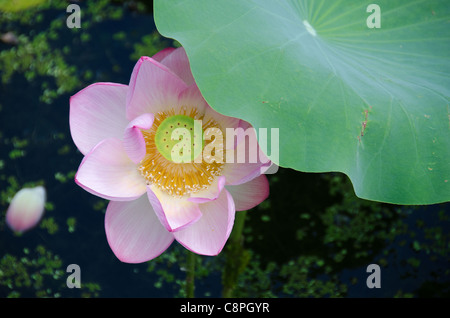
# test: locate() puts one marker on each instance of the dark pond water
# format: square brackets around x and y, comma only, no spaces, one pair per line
[311,238]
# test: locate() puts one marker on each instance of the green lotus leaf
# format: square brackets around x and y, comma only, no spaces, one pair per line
[352,86]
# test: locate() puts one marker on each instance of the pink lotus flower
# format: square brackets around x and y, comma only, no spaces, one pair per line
[26,209]
[126,135]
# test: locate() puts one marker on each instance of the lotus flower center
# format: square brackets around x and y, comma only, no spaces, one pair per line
[174,161]
[179,139]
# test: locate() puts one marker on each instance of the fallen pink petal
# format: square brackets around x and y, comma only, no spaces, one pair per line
[130,136]
[26,209]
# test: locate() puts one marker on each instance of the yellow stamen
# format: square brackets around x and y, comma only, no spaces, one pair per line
[177,179]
